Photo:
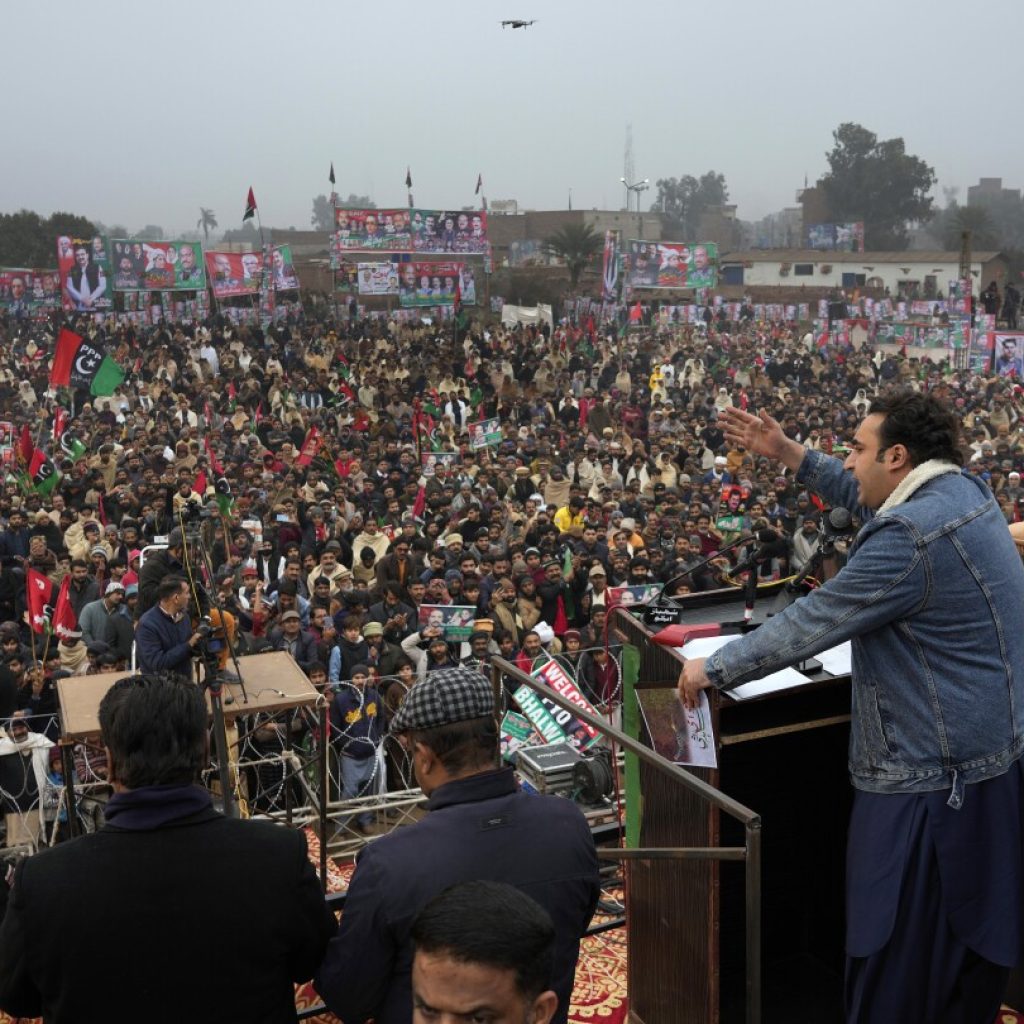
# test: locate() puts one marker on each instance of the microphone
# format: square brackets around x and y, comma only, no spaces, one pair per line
[703,563]
[838,522]
[769,541]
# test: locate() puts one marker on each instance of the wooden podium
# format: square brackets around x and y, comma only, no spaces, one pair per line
[273,682]
[783,756]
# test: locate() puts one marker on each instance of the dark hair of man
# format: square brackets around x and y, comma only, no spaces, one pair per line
[79,563]
[462,746]
[393,589]
[155,729]
[494,924]
[926,427]
[287,587]
[169,586]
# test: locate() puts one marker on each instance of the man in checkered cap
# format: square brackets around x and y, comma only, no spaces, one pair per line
[480,825]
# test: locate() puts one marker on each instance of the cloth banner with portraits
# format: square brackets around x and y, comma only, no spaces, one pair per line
[671,265]
[153,266]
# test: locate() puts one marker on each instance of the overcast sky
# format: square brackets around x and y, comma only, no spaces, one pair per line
[135,113]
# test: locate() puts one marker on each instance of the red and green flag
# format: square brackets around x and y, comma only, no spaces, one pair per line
[78,362]
[43,474]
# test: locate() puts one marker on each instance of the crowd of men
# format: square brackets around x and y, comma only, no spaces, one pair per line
[611,470]
[329,471]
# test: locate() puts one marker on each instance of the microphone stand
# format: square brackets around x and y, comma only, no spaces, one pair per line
[739,542]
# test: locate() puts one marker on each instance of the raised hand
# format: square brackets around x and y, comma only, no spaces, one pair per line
[760,434]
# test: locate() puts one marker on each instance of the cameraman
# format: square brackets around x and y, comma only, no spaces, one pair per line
[164,641]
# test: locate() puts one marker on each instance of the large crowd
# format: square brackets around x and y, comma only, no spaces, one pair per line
[610,471]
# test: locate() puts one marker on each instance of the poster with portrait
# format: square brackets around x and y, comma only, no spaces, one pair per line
[981,351]
[283,276]
[431,460]
[629,596]
[527,252]
[29,290]
[234,273]
[732,509]
[680,734]
[85,278]
[455,621]
[378,279]
[1008,348]
[141,265]
[386,230]
[427,284]
[485,434]
[443,231]
[847,237]
[671,265]
[516,733]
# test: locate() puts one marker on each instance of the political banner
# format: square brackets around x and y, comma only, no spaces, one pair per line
[1008,347]
[629,596]
[442,231]
[610,267]
[558,679]
[680,734]
[980,353]
[431,460]
[837,237]
[539,715]
[152,266]
[372,229]
[672,265]
[29,290]
[85,279]
[378,279]
[234,273]
[428,284]
[455,621]
[284,278]
[485,434]
[527,252]
[516,733]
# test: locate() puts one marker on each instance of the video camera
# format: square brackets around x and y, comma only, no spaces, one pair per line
[211,639]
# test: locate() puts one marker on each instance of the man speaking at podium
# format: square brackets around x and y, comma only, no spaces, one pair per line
[933,600]
[170,912]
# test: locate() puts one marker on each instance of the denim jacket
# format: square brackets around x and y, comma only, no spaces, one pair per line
[932,598]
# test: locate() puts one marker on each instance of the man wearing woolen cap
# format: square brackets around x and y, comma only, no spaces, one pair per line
[479,826]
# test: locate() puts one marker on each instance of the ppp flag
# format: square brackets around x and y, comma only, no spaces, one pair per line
[79,363]
[64,358]
[250,206]
[43,473]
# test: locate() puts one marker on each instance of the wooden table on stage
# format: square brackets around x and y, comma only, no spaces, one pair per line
[273,682]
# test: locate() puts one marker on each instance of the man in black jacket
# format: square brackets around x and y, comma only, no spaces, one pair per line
[210,919]
[480,825]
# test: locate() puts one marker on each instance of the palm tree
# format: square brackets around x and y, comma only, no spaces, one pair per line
[207,221]
[978,221]
[575,245]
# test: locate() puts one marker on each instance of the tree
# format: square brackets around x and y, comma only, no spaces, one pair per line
[207,221]
[575,245]
[323,212]
[684,200]
[879,183]
[28,240]
[150,233]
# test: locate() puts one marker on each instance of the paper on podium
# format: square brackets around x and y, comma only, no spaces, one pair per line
[837,660]
[784,679]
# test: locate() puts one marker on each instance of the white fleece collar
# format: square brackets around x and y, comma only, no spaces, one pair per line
[917,477]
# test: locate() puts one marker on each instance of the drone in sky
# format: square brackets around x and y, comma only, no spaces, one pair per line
[518,23]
